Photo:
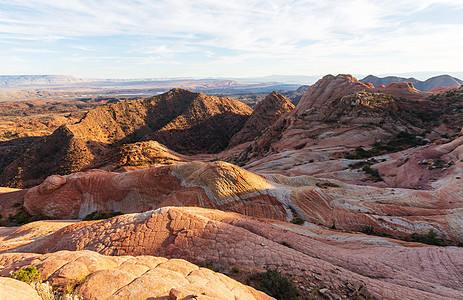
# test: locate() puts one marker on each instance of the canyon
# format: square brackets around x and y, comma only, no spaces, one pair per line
[355,192]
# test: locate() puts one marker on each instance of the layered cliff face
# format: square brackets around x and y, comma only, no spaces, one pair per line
[184,121]
[266,113]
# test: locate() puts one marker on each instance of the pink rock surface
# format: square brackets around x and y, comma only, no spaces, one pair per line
[342,262]
[395,211]
[335,115]
[12,237]
[12,289]
[127,277]
[214,185]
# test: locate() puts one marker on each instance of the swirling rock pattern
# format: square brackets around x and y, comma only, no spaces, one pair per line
[346,263]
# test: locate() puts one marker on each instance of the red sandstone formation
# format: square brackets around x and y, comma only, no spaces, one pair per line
[218,185]
[213,185]
[265,114]
[346,264]
[12,289]
[13,237]
[141,154]
[403,89]
[296,168]
[339,114]
[184,121]
[124,277]
[334,115]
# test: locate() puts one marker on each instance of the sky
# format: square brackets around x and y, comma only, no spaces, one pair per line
[233,38]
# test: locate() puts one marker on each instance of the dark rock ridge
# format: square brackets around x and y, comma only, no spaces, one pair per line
[184,121]
[265,114]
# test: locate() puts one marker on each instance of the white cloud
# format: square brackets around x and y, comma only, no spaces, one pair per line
[354,31]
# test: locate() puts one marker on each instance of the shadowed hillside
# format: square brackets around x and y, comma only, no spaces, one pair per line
[184,121]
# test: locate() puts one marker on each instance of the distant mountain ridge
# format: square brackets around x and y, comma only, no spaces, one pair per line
[30,80]
[425,86]
[141,85]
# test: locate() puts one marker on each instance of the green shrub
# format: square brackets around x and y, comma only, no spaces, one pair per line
[16,204]
[298,221]
[402,141]
[430,238]
[210,265]
[372,172]
[22,218]
[99,215]
[27,275]
[275,284]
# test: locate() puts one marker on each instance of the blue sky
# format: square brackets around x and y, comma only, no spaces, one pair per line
[234,38]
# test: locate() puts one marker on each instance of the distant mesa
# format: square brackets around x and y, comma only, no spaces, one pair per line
[37,80]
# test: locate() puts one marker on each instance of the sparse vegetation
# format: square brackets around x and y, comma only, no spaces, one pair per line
[298,221]
[210,265]
[430,238]
[374,173]
[275,284]
[27,275]
[402,141]
[22,217]
[31,276]
[100,215]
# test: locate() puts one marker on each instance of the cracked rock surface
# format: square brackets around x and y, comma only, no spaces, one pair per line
[122,277]
[343,262]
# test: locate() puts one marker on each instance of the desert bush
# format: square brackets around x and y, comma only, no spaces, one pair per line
[22,218]
[298,221]
[273,283]
[27,275]
[235,269]
[430,238]
[402,141]
[44,289]
[99,215]
[210,265]
[372,172]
